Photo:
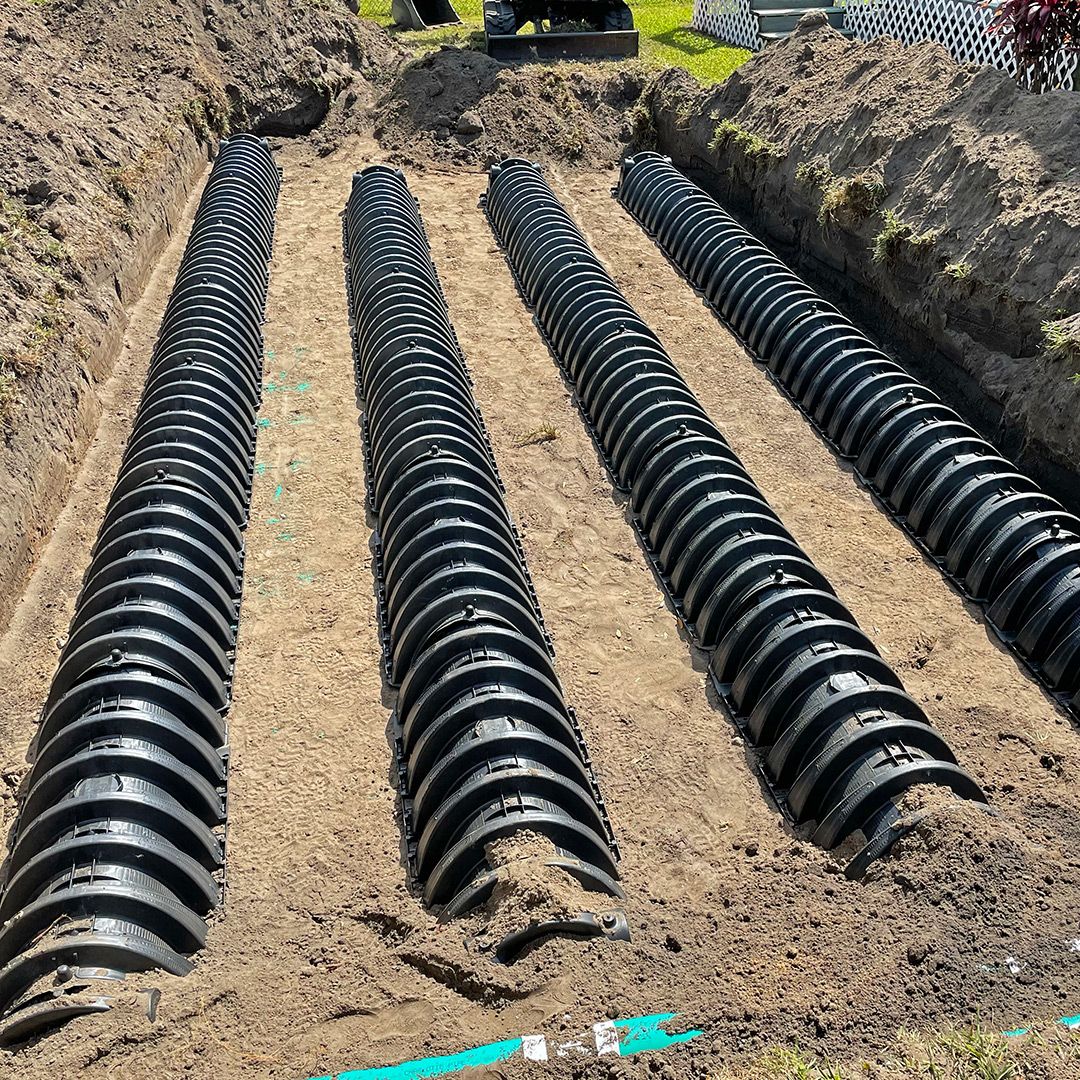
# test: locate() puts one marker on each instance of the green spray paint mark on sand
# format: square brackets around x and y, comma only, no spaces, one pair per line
[278,492]
[281,385]
[264,587]
[306,577]
[264,423]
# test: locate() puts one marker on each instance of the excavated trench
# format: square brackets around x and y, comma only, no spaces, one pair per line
[323,955]
[1003,542]
[936,363]
[118,848]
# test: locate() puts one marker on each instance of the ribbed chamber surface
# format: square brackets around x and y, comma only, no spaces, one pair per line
[989,528]
[487,747]
[841,741]
[117,853]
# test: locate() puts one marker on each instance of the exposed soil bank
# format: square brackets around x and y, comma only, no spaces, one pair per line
[983,173]
[109,112]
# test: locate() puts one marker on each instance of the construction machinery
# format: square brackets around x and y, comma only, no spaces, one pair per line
[423,14]
[563,29]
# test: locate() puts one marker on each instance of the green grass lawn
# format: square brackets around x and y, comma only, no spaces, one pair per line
[666,37]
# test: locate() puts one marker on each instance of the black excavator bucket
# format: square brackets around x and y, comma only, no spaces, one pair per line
[565,31]
[422,14]
[556,45]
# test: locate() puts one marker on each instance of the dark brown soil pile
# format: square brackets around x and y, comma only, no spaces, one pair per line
[983,174]
[462,107]
[108,108]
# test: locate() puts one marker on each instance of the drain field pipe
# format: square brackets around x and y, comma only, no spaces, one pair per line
[117,854]
[487,748]
[840,740]
[999,539]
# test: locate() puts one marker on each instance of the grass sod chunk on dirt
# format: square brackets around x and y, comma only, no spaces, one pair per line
[667,38]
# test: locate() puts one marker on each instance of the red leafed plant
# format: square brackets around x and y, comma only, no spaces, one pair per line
[1040,30]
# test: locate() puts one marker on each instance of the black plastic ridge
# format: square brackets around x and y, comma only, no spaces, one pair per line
[486,745]
[839,740]
[993,534]
[118,853]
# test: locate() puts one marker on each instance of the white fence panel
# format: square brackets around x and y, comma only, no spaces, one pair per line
[959,25]
[732,21]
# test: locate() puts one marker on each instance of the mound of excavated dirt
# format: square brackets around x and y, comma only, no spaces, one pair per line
[458,106]
[984,172]
[106,118]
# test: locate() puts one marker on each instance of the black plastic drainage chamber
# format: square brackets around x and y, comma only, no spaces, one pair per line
[117,853]
[839,738]
[487,748]
[992,532]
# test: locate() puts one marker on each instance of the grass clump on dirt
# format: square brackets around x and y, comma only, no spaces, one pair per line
[21,237]
[973,1052]
[18,230]
[667,38]
[752,145]
[965,1053]
[546,432]
[1061,339]
[206,115]
[858,196]
[9,394]
[789,1063]
[958,271]
[895,234]
[815,173]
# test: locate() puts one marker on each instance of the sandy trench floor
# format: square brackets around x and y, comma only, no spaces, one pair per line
[321,959]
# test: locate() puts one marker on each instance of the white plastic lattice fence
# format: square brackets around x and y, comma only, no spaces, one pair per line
[732,21]
[959,25]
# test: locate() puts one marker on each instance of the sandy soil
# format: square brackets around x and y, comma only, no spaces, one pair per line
[322,960]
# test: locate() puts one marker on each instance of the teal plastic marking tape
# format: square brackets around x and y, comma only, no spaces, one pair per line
[1071,1022]
[639,1033]
[625,1037]
[435,1066]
